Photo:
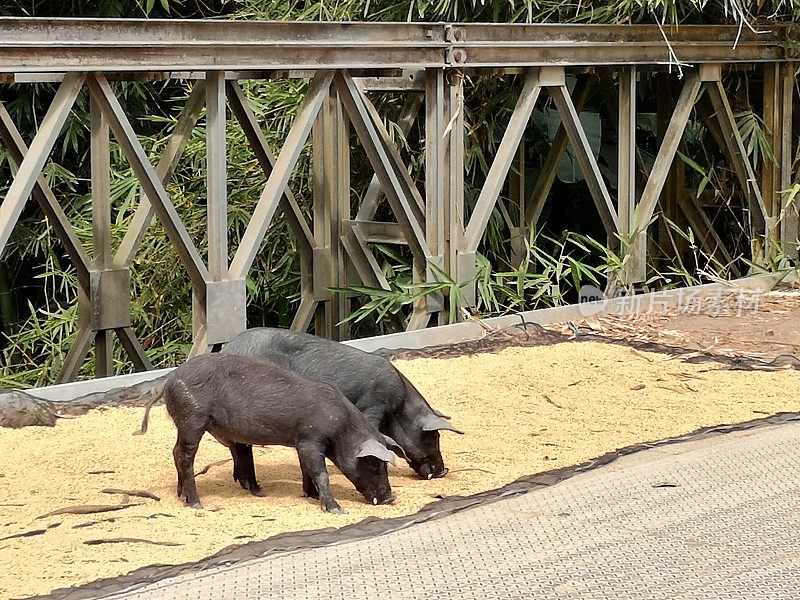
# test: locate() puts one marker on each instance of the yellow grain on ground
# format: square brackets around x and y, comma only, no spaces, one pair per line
[525,410]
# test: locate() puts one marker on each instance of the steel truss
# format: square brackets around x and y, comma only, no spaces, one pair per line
[344,62]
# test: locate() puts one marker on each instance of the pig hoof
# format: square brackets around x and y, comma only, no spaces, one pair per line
[334,509]
[196,505]
[258,491]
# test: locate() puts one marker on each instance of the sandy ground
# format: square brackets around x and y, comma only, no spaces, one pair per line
[525,410]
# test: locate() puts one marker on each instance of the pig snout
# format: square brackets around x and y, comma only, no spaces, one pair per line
[430,469]
[382,496]
[429,472]
[423,453]
[371,479]
[384,499]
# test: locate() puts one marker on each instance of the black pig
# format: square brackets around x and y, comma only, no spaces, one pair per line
[244,402]
[388,400]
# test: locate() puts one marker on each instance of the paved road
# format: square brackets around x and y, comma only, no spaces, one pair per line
[713,518]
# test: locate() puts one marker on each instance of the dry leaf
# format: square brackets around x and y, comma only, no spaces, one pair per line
[124,540]
[139,493]
[87,509]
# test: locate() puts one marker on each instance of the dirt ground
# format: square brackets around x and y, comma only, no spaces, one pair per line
[524,410]
[765,327]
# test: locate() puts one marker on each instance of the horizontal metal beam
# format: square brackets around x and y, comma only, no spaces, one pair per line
[509,45]
[36,45]
[375,79]
[379,232]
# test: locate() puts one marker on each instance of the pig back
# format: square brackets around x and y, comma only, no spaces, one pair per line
[353,372]
[250,401]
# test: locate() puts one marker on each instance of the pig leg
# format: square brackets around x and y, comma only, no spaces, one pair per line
[312,464]
[184,452]
[309,488]
[238,467]
[243,456]
[238,471]
[244,471]
[238,475]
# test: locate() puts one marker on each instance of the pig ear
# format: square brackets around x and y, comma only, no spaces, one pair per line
[434,423]
[394,446]
[440,414]
[373,447]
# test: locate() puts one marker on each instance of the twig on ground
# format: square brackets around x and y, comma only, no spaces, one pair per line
[208,467]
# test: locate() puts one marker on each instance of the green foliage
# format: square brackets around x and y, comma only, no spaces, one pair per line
[542,278]
[550,273]
[116,8]
[751,128]
[402,294]
[695,166]
[545,276]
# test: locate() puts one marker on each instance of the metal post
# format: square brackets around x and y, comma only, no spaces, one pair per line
[435,170]
[634,243]
[790,223]
[219,308]
[101,228]
[331,166]
[341,204]
[216,176]
[776,172]
[216,211]
[460,265]
[323,325]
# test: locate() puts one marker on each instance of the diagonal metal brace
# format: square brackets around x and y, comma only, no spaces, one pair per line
[44,196]
[666,153]
[31,165]
[502,161]
[266,159]
[279,178]
[149,180]
[165,168]
[405,208]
